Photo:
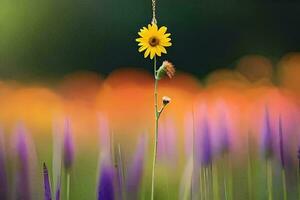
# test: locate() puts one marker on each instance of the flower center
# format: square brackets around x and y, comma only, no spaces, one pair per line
[153,41]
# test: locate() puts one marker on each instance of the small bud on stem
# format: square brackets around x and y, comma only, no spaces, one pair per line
[165,100]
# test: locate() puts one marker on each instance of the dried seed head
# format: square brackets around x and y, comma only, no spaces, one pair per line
[166,68]
[169,69]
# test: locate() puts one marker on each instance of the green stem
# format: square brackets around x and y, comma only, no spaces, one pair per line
[68,185]
[207,183]
[225,168]
[298,181]
[202,184]
[230,177]
[225,188]
[249,179]
[121,171]
[269,179]
[283,184]
[249,169]
[208,179]
[167,185]
[155,131]
[215,178]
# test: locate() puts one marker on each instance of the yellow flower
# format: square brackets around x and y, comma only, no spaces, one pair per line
[153,40]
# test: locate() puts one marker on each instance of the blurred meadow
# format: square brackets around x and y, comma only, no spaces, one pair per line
[235,111]
[76,101]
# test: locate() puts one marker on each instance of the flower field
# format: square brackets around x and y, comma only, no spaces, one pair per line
[233,134]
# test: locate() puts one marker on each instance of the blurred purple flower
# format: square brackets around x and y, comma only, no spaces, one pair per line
[119,170]
[267,137]
[58,188]
[206,157]
[224,135]
[161,147]
[3,178]
[167,141]
[298,156]
[105,140]
[135,170]
[47,187]
[57,158]
[68,145]
[281,147]
[188,133]
[202,142]
[106,181]
[22,175]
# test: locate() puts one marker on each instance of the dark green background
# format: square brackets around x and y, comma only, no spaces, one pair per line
[46,39]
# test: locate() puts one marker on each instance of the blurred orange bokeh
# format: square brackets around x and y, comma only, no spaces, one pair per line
[126,98]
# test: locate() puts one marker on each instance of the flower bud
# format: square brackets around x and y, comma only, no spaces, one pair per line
[166,100]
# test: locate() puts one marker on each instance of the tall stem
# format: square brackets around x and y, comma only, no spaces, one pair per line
[121,173]
[283,184]
[155,131]
[68,185]
[298,176]
[249,168]
[225,178]
[269,179]
[215,180]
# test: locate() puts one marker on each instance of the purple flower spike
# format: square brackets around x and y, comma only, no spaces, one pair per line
[281,144]
[206,157]
[298,156]
[188,133]
[161,146]
[267,138]
[202,142]
[3,178]
[171,140]
[47,187]
[224,134]
[22,177]
[68,146]
[135,171]
[167,142]
[57,193]
[105,135]
[106,182]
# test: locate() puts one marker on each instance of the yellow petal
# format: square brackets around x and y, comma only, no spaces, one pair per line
[143,32]
[152,53]
[162,30]
[143,29]
[166,44]
[142,48]
[167,34]
[162,49]
[146,53]
[166,39]
[158,52]
[154,26]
